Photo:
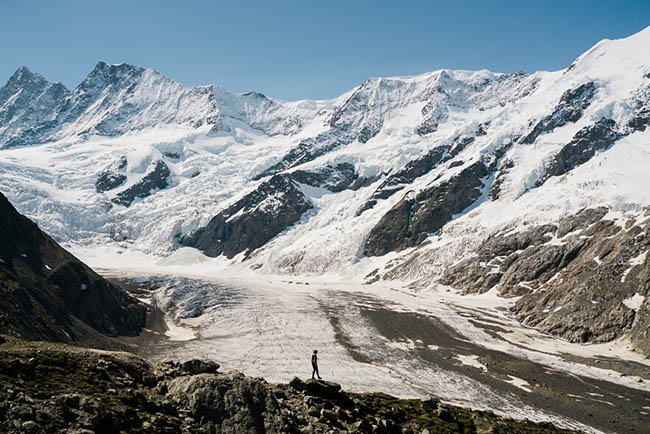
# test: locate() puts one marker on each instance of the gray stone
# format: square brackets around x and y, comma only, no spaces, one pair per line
[197,366]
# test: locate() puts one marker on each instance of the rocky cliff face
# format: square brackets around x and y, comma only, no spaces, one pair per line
[50,388]
[46,293]
[584,279]
[252,221]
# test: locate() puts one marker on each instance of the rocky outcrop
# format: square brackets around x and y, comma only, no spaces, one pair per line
[500,178]
[155,179]
[394,229]
[480,273]
[45,388]
[307,150]
[253,220]
[334,178]
[581,220]
[583,147]
[410,221]
[46,293]
[569,109]
[415,169]
[585,280]
[111,177]
[641,118]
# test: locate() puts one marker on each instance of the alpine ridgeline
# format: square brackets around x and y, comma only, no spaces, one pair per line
[526,184]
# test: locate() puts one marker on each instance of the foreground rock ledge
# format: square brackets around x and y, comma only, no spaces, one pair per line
[47,387]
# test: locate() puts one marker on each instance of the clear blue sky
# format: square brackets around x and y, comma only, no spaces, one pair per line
[304,49]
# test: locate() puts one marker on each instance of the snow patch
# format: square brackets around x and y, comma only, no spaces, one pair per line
[471,360]
[635,302]
[520,383]
[177,333]
[637,260]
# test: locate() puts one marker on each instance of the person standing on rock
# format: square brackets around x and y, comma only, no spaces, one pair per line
[314,365]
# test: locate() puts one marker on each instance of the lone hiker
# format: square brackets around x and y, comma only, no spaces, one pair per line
[314,364]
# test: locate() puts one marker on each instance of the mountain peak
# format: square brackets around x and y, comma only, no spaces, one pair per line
[23,76]
[23,81]
[115,67]
[105,74]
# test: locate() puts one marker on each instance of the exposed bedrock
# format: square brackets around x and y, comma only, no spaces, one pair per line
[585,279]
[307,150]
[253,220]
[111,177]
[502,174]
[583,147]
[417,168]
[569,109]
[334,178]
[155,179]
[48,294]
[410,221]
[641,119]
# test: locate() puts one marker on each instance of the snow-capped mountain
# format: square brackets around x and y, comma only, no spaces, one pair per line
[399,179]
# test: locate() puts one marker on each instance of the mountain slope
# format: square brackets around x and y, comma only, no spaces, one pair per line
[46,293]
[399,179]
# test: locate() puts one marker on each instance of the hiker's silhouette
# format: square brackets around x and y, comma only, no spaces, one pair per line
[314,365]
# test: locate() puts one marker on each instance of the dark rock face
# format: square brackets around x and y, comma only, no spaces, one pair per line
[394,228]
[46,293]
[497,185]
[197,366]
[321,389]
[62,389]
[583,147]
[429,125]
[155,178]
[253,220]
[409,222]
[333,178]
[581,220]
[416,168]
[369,130]
[405,176]
[505,245]
[307,150]
[641,119]
[576,288]
[111,177]
[479,274]
[569,109]
[232,402]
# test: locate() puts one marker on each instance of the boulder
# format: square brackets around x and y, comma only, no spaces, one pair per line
[320,388]
[196,366]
